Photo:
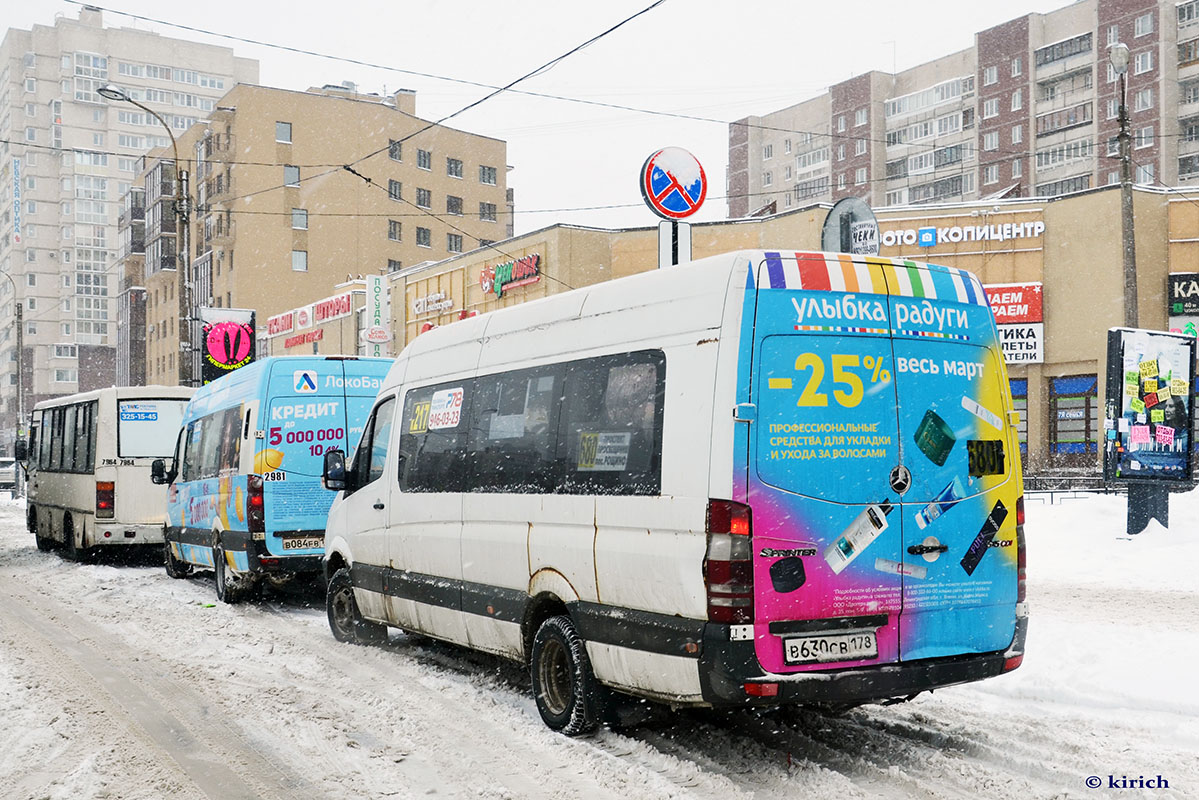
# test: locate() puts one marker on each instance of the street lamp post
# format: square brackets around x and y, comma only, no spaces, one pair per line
[1118,53]
[187,375]
[20,319]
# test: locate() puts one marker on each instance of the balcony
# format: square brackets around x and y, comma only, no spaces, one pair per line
[131,214]
[219,188]
[218,146]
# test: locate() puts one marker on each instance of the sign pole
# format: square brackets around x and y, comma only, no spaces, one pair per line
[674,243]
[673,185]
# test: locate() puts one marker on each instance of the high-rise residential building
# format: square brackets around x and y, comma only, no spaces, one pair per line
[1030,110]
[295,192]
[67,156]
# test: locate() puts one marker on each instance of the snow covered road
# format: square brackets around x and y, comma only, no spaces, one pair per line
[118,682]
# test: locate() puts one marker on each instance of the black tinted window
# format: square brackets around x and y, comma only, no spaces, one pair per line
[433,438]
[513,432]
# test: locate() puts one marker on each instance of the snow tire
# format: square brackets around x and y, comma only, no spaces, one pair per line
[345,620]
[568,697]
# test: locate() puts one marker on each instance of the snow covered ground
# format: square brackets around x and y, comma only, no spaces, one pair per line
[118,682]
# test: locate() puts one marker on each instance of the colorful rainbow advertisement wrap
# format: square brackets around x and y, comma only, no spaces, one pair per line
[881,467]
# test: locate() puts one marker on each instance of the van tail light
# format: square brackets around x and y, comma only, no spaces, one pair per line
[255,504]
[106,499]
[1021,554]
[728,564]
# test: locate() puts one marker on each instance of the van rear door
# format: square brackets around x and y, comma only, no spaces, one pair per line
[959,514]
[822,451]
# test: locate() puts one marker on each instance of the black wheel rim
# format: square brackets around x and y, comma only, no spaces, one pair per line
[343,610]
[554,672]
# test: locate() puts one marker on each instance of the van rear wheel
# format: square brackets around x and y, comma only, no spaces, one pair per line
[70,548]
[345,620]
[568,697]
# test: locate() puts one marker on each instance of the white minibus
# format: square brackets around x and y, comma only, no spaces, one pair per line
[763,477]
[89,467]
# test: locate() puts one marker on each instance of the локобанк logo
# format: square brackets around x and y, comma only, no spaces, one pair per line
[305,381]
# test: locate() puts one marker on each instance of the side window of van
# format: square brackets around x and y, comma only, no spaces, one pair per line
[612,431]
[514,431]
[370,458]
[191,453]
[433,437]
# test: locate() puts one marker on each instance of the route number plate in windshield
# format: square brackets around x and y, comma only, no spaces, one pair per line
[830,647]
[303,543]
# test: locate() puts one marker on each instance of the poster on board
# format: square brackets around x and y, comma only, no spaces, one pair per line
[1149,409]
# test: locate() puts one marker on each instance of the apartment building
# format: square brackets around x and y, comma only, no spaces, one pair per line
[297,191]
[67,156]
[1030,110]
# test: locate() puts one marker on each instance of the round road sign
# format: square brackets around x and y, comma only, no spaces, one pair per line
[673,183]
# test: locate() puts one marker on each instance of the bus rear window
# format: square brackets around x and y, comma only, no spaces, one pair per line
[148,428]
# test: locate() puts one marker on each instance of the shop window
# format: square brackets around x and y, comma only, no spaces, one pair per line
[1074,421]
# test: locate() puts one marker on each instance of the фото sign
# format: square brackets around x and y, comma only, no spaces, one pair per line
[227,341]
[1149,406]
[930,236]
[1018,313]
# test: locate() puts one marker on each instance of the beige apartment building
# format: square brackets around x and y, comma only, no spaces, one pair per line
[294,192]
[67,156]
[1030,110]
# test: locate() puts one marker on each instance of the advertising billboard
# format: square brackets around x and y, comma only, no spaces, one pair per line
[1018,313]
[227,341]
[1149,410]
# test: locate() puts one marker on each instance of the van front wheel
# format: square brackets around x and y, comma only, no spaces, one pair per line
[230,589]
[175,568]
[564,687]
[345,620]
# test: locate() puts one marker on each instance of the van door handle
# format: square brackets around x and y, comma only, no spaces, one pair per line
[378,506]
[921,549]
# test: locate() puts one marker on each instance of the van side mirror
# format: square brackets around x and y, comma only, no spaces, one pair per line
[158,472]
[334,474]
[20,449]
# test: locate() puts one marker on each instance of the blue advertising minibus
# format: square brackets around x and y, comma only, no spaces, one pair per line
[244,495]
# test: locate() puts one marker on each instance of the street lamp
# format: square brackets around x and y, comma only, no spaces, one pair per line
[20,370]
[186,370]
[1118,54]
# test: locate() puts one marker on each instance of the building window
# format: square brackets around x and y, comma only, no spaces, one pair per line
[1113,108]
[1143,100]
[1017,100]
[487,175]
[768,151]
[991,140]
[424,237]
[1188,12]
[840,152]
[424,159]
[395,150]
[487,212]
[840,181]
[1113,146]
[393,230]
[395,189]
[1074,420]
[786,146]
[453,242]
[31,134]
[841,123]
[861,117]
[859,176]
[1113,34]
[394,265]
[1113,178]
[990,75]
[1017,134]
[1146,174]
[453,205]
[291,175]
[283,132]
[991,173]
[1017,168]
[299,219]
[1143,25]
[859,147]
[453,167]
[66,375]
[1061,50]
[1017,67]
[299,260]
[767,178]
[424,198]
[1144,137]
[991,108]
[1143,62]
[31,303]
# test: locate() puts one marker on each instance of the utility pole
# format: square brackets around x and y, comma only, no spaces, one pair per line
[1119,58]
[20,386]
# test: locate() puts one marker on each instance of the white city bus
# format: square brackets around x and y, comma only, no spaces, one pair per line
[763,477]
[89,467]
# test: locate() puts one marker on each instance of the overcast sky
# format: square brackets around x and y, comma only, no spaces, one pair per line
[717,59]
